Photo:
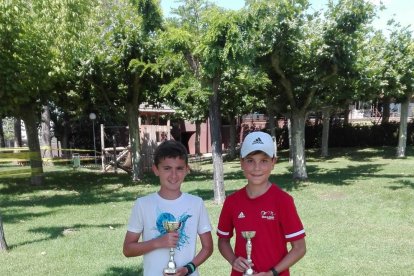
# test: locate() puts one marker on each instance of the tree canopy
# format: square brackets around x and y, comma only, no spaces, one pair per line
[279,56]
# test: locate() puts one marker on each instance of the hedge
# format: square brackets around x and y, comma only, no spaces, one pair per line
[340,135]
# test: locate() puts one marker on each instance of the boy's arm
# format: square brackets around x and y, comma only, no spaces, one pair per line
[227,252]
[296,253]
[133,248]
[206,249]
[205,252]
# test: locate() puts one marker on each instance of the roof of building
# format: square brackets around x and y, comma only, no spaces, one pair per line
[155,108]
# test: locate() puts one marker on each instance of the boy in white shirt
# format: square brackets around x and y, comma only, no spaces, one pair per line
[169,204]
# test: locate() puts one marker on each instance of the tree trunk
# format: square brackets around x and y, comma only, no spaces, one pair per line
[326,119]
[272,124]
[134,138]
[29,118]
[232,134]
[402,133]
[17,126]
[65,136]
[3,244]
[289,126]
[346,114]
[214,115]
[298,146]
[46,137]
[18,143]
[2,138]
[386,111]
[197,138]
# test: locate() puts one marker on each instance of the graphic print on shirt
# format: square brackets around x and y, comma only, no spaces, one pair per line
[269,215]
[183,237]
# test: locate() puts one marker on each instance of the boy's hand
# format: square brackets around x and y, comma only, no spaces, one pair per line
[169,240]
[182,271]
[240,264]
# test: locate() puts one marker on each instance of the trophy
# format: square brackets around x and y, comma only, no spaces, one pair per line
[171,226]
[248,235]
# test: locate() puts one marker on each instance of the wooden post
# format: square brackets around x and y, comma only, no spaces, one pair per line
[114,154]
[103,147]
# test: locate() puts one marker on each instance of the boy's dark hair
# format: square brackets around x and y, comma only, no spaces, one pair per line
[170,148]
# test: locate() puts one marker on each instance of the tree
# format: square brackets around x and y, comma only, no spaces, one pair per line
[223,46]
[243,90]
[388,67]
[122,66]
[400,61]
[184,90]
[39,43]
[300,54]
[375,73]
[210,41]
[24,56]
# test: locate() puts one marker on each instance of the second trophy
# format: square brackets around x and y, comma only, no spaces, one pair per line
[248,235]
[171,226]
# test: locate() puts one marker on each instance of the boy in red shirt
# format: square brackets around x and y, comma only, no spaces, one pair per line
[262,207]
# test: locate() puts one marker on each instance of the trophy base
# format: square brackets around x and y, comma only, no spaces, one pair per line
[170,271]
[248,272]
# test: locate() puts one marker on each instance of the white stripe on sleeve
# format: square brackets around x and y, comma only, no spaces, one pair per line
[223,233]
[295,234]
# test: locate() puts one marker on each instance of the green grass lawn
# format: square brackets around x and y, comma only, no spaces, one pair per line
[357,208]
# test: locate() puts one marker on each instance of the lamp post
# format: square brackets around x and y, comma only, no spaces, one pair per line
[92,116]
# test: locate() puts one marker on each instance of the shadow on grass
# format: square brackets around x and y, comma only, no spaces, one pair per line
[208,194]
[84,187]
[402,184]
[15,216]
[75,198]
[70,188]
[67,180]
[60,232]
[124,271]
[337,176]
[357,154]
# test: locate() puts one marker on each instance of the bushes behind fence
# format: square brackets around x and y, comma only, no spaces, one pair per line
[340,135]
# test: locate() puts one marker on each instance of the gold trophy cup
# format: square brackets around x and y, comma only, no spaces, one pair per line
[171,226]
[248,235]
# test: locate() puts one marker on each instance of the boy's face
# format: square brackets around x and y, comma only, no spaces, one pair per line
[171,172]
[257,168]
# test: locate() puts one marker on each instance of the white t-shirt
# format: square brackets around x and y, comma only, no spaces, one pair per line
[147,218]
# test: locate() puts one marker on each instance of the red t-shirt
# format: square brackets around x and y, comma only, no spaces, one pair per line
[272,215]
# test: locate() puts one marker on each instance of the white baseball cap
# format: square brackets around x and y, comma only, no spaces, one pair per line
[258,141]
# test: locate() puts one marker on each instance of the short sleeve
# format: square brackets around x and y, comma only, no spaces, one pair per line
[204,224]
[291,223]
[136,222]
[225,225]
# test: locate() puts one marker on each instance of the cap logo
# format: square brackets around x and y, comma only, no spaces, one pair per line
[257,141]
